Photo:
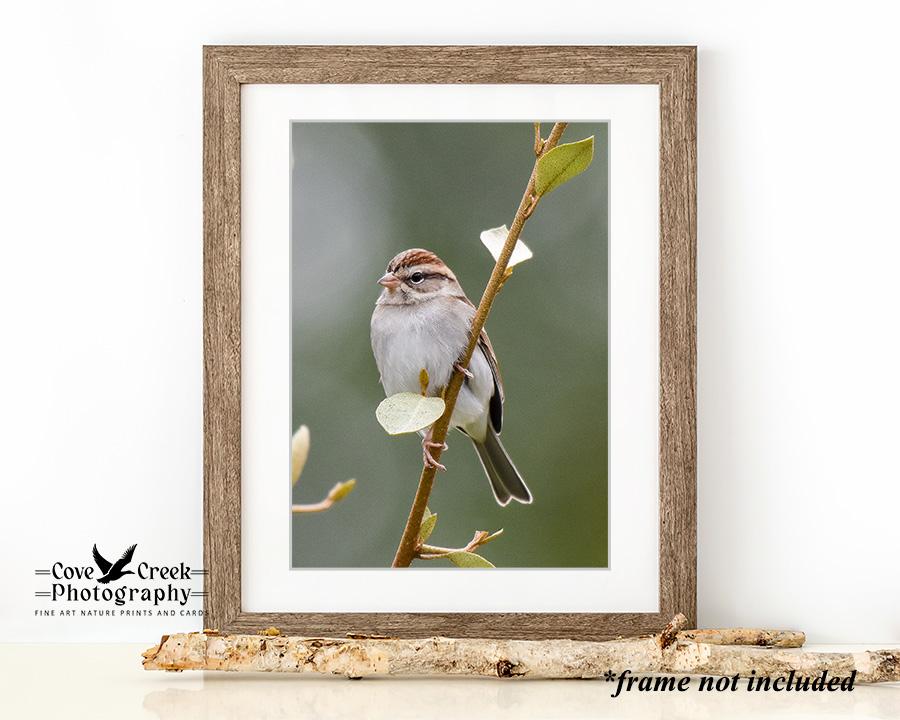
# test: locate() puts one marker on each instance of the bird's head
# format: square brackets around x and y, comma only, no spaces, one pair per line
[416,276]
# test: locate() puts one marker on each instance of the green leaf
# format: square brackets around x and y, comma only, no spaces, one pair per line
[429,520]
[492,536]
[563,163]
[408,412]
[464,559]
[341,490]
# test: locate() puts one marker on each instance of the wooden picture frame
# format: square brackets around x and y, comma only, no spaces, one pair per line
[225,70]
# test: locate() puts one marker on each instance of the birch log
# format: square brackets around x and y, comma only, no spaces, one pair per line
[666,652]
[432,656]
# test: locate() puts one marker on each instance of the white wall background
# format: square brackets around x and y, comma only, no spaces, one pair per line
[100,284]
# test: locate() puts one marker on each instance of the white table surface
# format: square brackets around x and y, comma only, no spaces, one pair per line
[107,681]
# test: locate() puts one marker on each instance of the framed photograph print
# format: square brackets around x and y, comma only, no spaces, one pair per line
[449,340]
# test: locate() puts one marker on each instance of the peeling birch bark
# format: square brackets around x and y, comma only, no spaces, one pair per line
[667,652]
[746,636]
[706,659]
[433,656]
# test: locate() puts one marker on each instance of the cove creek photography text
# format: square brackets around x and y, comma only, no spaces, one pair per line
[115,583]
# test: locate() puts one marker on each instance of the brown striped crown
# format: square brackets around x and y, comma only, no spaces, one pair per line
[423,260]
[413,257]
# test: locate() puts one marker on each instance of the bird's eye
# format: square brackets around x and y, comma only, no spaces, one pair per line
[416,278]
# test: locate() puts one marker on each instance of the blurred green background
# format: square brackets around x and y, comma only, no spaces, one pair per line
[362,192]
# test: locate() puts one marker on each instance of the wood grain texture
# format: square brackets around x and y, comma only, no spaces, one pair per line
[678,341]
[532,626]
[221,339]
[226,68]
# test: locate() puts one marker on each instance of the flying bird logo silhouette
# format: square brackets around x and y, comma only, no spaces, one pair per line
[113,571]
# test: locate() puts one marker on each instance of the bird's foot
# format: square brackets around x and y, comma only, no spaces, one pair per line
[427,445]
[464,371]
[429,460]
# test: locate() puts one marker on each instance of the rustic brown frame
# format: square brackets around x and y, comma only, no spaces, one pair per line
[225,69]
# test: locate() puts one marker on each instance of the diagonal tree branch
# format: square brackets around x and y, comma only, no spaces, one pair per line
[407,547]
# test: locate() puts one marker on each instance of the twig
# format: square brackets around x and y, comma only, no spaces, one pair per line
[433,552]
[746,636]
[320,506]
[336,494]
[407,547]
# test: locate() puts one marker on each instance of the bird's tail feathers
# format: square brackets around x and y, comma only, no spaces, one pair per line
[506,482]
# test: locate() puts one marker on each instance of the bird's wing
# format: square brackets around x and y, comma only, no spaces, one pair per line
[101,561]
[484,344]
[496,405]
[125,559]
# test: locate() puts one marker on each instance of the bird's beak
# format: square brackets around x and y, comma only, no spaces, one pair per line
[390,281]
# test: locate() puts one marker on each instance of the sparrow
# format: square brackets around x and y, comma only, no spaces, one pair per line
[421,322]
